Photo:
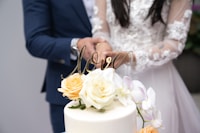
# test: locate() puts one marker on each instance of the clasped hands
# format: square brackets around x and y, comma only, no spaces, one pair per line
[99,49]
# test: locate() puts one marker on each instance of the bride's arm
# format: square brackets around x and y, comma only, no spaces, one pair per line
[100,29]
[100,26]
[177,28]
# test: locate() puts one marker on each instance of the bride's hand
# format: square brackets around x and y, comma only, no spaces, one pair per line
[118,58]
[101,49]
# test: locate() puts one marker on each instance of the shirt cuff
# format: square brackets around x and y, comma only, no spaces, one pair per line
[74,49]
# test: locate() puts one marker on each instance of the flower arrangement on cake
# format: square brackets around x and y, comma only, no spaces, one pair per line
[100,87]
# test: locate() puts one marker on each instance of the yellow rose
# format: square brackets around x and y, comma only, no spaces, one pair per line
[71,86]
[148,129]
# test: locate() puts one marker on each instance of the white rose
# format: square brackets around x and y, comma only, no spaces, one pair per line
[99,88]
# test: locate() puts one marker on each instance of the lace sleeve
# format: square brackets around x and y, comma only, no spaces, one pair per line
[177,28]
[99,23]
[172,44]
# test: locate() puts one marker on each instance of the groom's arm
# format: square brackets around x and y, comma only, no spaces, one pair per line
[39,36]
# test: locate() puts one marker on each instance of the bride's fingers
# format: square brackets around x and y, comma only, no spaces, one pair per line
[98,59]
[117,58]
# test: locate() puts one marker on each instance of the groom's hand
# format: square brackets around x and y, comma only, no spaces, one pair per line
[89,44]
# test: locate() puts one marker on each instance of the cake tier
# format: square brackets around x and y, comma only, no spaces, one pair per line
[118,119]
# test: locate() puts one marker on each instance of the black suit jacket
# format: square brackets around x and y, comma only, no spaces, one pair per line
[49,28]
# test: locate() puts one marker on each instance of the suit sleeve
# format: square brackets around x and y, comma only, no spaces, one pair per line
[40,40]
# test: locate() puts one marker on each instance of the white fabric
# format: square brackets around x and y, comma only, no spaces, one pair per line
[154,48]
[89,4]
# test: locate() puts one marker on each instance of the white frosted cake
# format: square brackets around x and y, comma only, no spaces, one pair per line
[117,119]
[106,90]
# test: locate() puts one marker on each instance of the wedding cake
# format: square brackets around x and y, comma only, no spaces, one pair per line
[103,102]
[117,119]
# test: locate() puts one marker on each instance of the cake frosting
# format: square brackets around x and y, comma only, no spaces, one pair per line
[117,119]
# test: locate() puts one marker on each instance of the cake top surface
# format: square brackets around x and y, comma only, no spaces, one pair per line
[91,114]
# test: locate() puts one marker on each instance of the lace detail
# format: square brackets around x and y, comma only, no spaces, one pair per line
[152,45]
[96,21]
[179,29]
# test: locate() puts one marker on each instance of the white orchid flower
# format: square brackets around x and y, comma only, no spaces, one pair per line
[153,116]
[149,101]
[157,119]
[138,91]
[123,91]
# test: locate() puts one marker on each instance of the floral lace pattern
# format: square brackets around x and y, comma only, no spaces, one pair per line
[152,45]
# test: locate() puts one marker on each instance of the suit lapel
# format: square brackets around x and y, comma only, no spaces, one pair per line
[79,8]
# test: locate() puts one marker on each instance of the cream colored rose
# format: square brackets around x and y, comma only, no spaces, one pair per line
[71,86]
[99,88]
[148,129]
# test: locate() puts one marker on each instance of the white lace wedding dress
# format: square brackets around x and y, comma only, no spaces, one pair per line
[154,48]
